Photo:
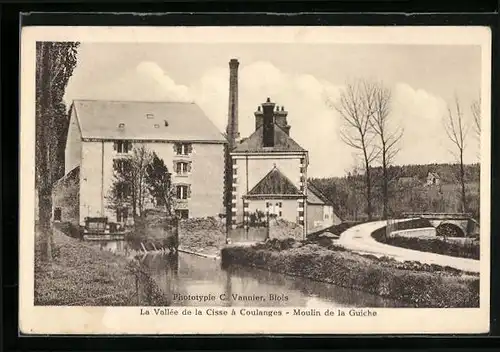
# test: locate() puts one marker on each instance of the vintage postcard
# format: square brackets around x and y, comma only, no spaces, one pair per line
[255,180]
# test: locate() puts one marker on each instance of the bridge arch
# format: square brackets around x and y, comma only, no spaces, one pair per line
[450,229]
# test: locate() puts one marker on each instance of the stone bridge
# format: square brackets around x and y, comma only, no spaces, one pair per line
[461,224]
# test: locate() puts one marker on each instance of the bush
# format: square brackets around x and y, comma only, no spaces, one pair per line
[439,245]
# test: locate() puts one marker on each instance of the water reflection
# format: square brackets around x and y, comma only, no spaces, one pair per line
[190,280]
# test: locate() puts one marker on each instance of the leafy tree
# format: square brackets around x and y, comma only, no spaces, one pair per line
[159,181]
[129,187]
[55,62]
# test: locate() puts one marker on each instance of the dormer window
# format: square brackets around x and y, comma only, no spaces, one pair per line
[150,116]
[157,126]
[121,125]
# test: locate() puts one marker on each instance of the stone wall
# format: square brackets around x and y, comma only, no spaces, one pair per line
[66,197]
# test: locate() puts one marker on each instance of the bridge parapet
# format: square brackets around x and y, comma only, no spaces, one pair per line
[439,216]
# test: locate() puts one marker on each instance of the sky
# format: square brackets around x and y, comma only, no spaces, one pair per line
[423,80]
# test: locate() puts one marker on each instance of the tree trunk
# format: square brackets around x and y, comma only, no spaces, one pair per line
[462,182]
[385,192]
[368,191]
[43,147]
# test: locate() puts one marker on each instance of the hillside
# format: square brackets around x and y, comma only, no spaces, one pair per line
[408,190]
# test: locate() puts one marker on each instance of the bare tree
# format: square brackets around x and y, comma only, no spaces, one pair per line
[356,106]
[457,129]
[388,135]
[476,114]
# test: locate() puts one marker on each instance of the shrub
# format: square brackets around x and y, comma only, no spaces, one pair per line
[438,245]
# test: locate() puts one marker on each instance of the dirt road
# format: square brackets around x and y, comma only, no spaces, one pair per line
[358,238]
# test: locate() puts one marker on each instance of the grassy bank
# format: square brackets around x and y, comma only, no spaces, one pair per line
[82,275]
[468,248]
[417,284]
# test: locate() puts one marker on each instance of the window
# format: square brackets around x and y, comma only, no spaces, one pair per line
[182,213]
[183,148]
[182,192]
[122,147]
[57,214]
[182,168]
[122,165]
[122,190]
[121,215]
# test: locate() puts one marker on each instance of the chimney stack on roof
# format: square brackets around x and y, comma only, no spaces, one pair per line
[268,123]
[281,121]
[232,119]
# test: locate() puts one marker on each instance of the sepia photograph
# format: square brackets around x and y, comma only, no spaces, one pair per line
[231,176]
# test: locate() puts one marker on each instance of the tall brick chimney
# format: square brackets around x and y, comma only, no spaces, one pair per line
[232,116]
[268,123]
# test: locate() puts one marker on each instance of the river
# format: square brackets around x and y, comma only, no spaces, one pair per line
[190,280]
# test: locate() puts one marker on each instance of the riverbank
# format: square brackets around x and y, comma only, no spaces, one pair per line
[420,285]
[82,275]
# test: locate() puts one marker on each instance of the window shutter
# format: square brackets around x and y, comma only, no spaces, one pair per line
[189,167]
[175,148]
[189,148]
[115,165]
[129,146]
[114,145]
[174,168]
[189,191]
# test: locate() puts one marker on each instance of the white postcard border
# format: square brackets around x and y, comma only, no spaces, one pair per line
[127,320]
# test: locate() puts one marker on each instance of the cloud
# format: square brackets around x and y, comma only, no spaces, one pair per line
[315,125]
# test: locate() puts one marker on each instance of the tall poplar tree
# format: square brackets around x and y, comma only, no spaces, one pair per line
[55,62]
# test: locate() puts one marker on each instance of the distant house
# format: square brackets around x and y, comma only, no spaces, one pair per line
[433,179]
[320,210]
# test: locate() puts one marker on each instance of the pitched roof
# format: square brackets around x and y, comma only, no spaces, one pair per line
[255,144]
[274,183]
[315,196]
[177,121]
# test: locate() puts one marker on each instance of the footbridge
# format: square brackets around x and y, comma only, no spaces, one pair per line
[449,224]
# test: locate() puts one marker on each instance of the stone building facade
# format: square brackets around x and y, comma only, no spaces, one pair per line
[102,132]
